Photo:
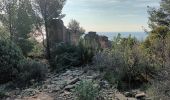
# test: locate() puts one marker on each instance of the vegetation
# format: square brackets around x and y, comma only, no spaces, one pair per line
[87,90]
[14,67]
[128,63]
[125,62]
[9,59]
[74,26]
[66,56]
[30,70]
[50,9]
[2,95]
[19,20]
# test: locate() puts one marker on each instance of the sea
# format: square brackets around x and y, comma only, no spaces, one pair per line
[141,36]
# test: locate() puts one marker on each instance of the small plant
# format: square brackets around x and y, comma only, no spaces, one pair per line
[110,77]
[86,90]
[3,95]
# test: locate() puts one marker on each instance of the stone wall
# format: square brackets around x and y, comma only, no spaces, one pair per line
[104,42]
[59,33]
[74,37]
[101,41]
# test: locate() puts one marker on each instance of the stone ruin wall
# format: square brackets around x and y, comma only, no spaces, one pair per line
[101,40]
[59,33]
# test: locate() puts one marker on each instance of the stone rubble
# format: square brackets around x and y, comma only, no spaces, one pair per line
[61,87]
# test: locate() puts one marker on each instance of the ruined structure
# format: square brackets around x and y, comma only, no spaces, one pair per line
[59,33]
[74,37]
[100,41]
[104,42]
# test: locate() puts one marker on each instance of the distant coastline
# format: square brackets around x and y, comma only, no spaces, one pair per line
[139,35]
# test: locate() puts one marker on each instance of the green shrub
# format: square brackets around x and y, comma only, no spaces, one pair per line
[38,49]
[86,90]
[110,77]
[86,51]
[30,70]
[125,63]
[159,91]
[10,55]
[109,62]
[64,56]
[106,59]
[26,46]
[3,95]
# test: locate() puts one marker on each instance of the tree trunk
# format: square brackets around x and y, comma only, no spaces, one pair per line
[47,34]
[10,23]
[47,40]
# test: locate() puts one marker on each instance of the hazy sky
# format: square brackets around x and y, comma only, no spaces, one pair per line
[109,15]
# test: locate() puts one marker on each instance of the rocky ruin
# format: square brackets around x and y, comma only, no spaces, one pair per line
[59,33]
[102,41]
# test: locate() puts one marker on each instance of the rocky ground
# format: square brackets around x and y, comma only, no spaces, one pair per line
[61,87]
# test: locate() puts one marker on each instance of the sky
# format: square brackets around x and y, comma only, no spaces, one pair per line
[109,15]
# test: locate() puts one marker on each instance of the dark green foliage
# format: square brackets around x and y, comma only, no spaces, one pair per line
[26,46]
[10,55]
[30,70]
[24,26]
[65,56]
[160,16]
[86,90]
[14,67]
[86,51]
[110,77]
[3,95]
[19,20]
[37,51]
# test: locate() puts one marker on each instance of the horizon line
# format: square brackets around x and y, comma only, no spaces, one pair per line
[116,31]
